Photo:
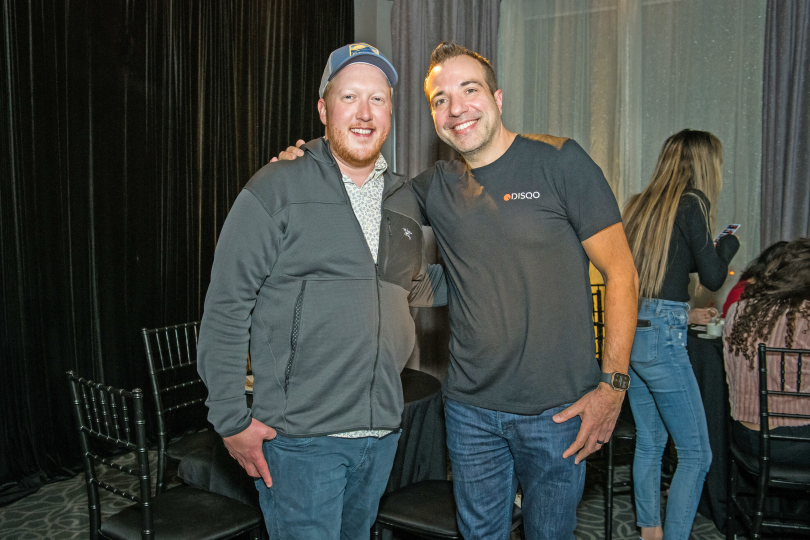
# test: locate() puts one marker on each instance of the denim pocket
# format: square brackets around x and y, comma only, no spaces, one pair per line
[678,317]
[645,345]
[290,442]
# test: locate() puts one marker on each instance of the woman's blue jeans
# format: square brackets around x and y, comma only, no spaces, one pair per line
[665,398]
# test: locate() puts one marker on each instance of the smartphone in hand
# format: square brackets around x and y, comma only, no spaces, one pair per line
[730,229]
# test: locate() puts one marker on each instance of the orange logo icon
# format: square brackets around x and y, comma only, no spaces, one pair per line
[507,197]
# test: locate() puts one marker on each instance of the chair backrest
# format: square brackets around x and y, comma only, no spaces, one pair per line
[171,355]
[790,386]
[107,419]
[598,294]
[599,336]
[785,388]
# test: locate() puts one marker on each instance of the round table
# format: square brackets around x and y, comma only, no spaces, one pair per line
[421,451]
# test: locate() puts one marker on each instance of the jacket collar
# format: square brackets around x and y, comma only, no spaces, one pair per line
[320,150]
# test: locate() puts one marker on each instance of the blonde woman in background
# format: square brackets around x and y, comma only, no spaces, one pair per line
[669,228]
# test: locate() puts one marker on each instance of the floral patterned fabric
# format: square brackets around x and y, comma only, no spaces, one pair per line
[367,206]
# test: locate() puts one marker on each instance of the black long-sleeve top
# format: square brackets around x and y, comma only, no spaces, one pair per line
[691,249]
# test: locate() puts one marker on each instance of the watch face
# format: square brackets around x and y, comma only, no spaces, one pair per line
[621,381]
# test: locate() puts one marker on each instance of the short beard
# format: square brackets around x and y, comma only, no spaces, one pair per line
[489,136]
[358,158]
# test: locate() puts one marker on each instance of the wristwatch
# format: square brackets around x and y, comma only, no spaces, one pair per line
[618,381]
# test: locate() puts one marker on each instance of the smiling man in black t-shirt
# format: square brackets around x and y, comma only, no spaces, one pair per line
[517,219]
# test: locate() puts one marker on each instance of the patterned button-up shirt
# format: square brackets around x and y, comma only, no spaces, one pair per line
[367,205]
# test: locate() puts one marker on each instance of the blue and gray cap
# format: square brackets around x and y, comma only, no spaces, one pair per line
[354,53]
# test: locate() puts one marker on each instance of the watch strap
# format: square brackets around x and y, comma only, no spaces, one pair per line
[609,377]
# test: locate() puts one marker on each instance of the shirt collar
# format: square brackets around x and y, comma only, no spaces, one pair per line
[380,167]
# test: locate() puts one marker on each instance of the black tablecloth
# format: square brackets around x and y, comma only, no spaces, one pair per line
[706,356]
[421,451]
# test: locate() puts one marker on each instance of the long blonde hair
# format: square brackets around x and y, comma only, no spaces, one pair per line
[688,159]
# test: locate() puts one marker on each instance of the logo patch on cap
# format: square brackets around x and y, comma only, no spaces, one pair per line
[355,48]
[356,53]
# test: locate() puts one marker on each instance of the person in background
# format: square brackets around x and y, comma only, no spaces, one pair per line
[755,271]
[669,228]
[313,274]
[775,310]
[702,315]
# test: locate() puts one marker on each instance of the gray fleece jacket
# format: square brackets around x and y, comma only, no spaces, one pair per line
[293,280]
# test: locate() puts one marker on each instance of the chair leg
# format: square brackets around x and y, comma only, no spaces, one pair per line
[376,531]
[731,509]
[759,505]
[609,491]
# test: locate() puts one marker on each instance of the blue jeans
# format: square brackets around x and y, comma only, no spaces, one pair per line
[665,397]
[492,451]
[324,488]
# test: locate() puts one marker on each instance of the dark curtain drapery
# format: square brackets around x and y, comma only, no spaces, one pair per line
[786,122]
[417,26]
[127,128]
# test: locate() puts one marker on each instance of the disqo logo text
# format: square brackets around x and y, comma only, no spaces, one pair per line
[522,195]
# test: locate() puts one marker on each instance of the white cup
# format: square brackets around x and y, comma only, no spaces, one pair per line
[715,328]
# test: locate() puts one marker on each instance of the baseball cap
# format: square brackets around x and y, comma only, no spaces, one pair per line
[354,53]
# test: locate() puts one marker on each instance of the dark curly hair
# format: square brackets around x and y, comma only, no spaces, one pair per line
[760,265]
[783,288]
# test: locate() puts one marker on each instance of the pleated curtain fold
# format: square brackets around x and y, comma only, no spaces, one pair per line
[127,128]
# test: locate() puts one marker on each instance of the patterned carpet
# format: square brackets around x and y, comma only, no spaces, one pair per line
[59,511]
[591,516]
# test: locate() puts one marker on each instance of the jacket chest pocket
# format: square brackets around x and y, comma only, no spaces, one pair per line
[400,257]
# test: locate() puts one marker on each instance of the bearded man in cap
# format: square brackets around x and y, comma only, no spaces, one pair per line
[304,280]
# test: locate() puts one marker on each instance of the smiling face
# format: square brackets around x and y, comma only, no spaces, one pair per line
[466,114]
[356,111]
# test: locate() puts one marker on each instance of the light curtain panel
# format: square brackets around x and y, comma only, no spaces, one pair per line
[620,76]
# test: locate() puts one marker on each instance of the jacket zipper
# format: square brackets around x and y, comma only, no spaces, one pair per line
[377,354]
[388,250]
[379,303]
[296,327]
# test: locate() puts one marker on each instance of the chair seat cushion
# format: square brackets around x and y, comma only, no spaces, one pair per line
[786,475]
[195,468]
[624,430]
[185,513]
[192,442]
[426,507]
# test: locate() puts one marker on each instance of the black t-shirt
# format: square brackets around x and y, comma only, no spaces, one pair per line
[691,249]
[511,235]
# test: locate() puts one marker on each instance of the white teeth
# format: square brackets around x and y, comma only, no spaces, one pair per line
[361,131]
[464,125]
